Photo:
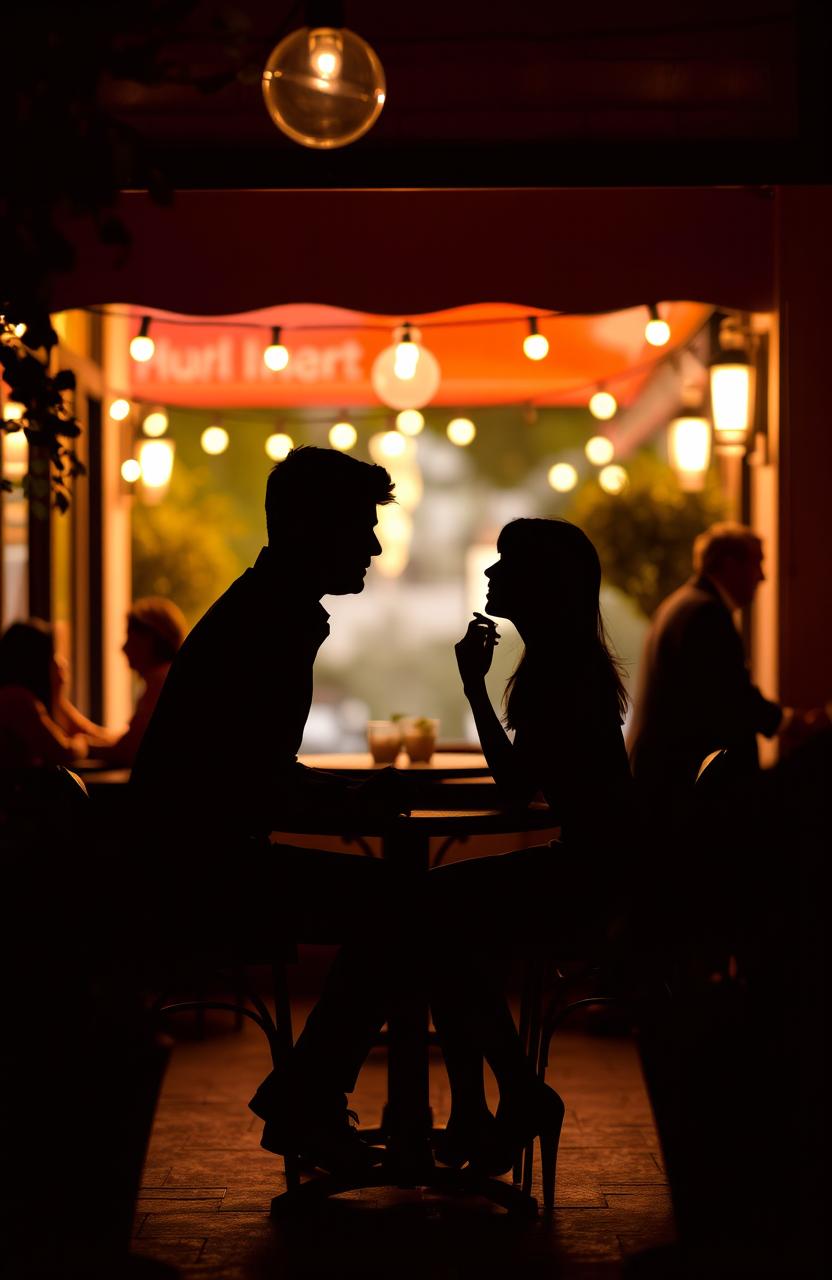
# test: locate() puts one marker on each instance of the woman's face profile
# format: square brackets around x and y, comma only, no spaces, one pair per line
[509,590]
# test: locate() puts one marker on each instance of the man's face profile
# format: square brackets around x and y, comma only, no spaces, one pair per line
[348,550]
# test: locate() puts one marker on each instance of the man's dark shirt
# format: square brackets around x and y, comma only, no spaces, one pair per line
[696,695]
[219,755]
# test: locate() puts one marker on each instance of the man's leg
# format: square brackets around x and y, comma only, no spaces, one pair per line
[328,897]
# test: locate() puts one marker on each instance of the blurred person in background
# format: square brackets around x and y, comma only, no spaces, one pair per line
[156,628]
[31,683]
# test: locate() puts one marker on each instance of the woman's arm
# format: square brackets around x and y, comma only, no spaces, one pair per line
[46,740]
[473,655]
[72,721]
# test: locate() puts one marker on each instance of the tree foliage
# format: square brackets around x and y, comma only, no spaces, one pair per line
[644,535]
[181,546]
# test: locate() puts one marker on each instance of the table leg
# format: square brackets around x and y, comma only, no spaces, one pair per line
[408,1117]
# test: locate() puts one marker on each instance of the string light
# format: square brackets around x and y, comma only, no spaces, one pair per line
[19,329]
[656,331]
[407,356]
[600,450]
[613,479]
[142,347]
[155,424]
[275,357]
[562,477]
[131,470]
[343,436]
[156,462]
[410,422]
[279,445]
[603,405]
[405,375]
[119,409]
[214,440]
[535,344]
[460,431]
[388,444]
[13,411]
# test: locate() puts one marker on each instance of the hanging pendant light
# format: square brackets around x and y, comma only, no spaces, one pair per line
[323,85]
[405,375]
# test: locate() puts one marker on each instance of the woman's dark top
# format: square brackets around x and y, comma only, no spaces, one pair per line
[570,745]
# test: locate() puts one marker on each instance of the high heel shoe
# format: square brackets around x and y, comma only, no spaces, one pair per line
[479,1144]
[536,1112]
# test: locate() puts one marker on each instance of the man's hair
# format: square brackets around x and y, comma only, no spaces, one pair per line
[163,620]
[724,541]
[325,481]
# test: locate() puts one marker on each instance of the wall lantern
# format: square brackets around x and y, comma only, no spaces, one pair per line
[689,450]
[323,85]
[689,441]
[732,389]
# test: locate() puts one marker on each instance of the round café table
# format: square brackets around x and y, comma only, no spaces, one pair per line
[443,764]
[406,1129]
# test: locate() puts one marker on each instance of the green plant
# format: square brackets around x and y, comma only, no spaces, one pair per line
[644,535]
[181,546]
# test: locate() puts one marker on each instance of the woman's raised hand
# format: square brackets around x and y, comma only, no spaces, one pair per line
[474,651]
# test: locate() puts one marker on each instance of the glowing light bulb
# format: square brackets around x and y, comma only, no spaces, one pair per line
[689,450]
[156,462]
[324,86]
[613,479]
[600,450]
[656,331]
[391,444]
[407,359]
[405,381]
[562,477]
[19,329]
[275,356]
[142,347]
[279,445]
[214,440]
[603,405]
[410,422]
[156,423]
[119,409]
[535,345]
[342,435]
[131,470]
[15,454]
[13,411]
[460,431]
[325,53]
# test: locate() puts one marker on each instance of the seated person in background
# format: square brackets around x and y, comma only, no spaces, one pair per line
[30,682]
[156,628]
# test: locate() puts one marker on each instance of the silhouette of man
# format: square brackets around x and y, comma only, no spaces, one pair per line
[695,693]
[219,761]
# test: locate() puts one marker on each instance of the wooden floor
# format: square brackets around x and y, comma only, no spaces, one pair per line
[207,1183]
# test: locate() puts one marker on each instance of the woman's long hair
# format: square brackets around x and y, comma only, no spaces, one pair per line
[564,581]
[26,653]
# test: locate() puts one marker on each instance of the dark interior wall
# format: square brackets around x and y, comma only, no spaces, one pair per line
[804,278]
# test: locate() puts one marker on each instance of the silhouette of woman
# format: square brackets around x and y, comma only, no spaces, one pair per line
[565,703]
[31,680]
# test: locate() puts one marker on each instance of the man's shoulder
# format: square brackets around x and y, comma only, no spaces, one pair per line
[694,598]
